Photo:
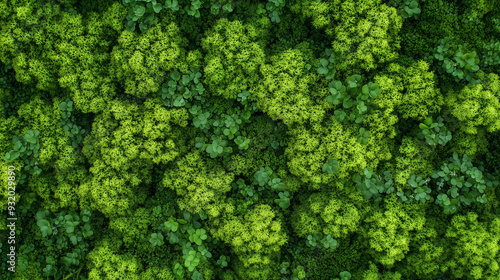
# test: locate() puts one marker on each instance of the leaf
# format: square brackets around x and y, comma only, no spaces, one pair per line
[157,7]
[73,239]
[179,101]
[175,76]
[322,71]
[139,11]
[143,27]
[13,155]
[331,166]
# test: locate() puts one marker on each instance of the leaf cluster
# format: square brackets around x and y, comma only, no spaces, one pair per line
[296,273]
[188,234]
[344,275]
[224,128]
[409,9]
[67,122]
[372,185]
[434,133]
[273,8]
[457,60]
[142,13]
[320,240]
[491,53]
[331,166]
[180,89]
[459,182]
[326,66]
[26,149]
[65,236]
[418,191]
[223,261]
[355,98]
[227,8]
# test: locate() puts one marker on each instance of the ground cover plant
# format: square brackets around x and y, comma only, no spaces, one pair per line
[250,139]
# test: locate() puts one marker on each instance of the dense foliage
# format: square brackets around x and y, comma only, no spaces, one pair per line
[239,139]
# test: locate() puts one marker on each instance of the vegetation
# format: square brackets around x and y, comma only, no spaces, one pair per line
[239,139]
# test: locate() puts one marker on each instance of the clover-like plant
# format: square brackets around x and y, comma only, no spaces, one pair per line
[421,192]
[409,9]
[156,239]
[142,13]
[326,65]
[223,261]
[321,240]
[194,8]
[344,275]
[172,5]
[459,182]
[67,122]
[263,176]
[64,235]
[298,273]
[354,95]
[180,89]
[331,166]
[226,8]
[457,61]
[434,133]
[364,135]
[242,142]
[284,200]
[26,149]
[188,234]
[491,53]
[273,8]
[373,185]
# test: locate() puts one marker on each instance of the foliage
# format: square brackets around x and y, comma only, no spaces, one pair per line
[234,56]
[228,139]
[191,238]
[388,230]
[477,107]
[65,236]
[491,53]
[321,241]
[141,62]
[474,245]
[373,185]
[125,144]
[68,123]
[223,128]
[327,66]
[201,186]
[410,9]
[419,190]
[143,14]
[461,183]
[434,133]
[344,275]
[179,88]
[286,83]
[457,61]
[331,166]
[223,261]
[27,150]
[355,96]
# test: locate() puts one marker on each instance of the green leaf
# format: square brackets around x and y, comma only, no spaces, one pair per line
[139,11]
[157,7]
[176,76]
[73,239]
[331,166]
